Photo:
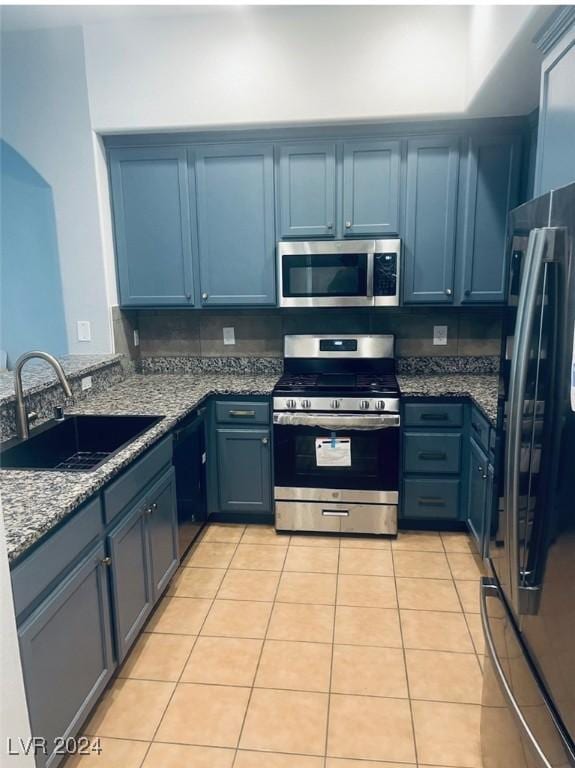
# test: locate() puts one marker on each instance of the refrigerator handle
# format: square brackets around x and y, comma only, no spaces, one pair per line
[517,385]
[489,588]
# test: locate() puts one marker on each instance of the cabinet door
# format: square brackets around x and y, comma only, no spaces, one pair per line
[477,493]
[430,225]
[244,470]
[236,232]
[163,531]
[131,578]
[491,192]
[151,210]
[555,165]
[307,190]
[66,650]
[371,187]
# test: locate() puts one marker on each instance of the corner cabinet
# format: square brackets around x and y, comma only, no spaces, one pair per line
[152,226]
[431,217]
[492,187]
[236,227]
[307,189]
[371,182]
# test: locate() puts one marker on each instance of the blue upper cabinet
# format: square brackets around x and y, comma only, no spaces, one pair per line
[371,172]
[151,209]
[307,190]
[236,225]
[556,137]
[430,219]
[491,191]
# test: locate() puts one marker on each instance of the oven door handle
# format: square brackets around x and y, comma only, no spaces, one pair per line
[335,422]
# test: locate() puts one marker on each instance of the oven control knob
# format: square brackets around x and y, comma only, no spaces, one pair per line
[305,404]
[380,405]
[364,405]
[291,403]
[334,404]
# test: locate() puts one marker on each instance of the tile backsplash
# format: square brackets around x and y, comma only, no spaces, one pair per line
[259,333]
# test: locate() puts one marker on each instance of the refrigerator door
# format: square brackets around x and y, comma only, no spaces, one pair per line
[521,242]
[518,727]
[548,631]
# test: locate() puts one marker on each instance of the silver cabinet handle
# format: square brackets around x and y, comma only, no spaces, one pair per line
[188,296]
[265,441]
[330,225]
[106,561]
[205,296]
[348,224]
[154,507]
[335,513]
[448,291]
[242,414]
[148,511]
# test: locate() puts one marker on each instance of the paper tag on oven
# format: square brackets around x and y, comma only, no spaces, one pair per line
[333,452]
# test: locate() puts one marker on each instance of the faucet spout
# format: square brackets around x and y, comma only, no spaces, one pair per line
[22,426]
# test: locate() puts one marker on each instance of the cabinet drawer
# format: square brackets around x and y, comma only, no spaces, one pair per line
[125,489]
[242,412]
[480,429]
[432,453]
[433,414]
[431,499]
[40,569]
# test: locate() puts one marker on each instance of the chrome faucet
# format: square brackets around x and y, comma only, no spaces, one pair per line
[22,417]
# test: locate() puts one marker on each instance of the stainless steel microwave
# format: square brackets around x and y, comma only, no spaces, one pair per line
[339,273]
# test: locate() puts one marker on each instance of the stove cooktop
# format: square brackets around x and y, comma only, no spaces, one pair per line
[344,384]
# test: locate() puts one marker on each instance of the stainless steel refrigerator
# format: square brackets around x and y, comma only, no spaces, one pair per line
[528,601]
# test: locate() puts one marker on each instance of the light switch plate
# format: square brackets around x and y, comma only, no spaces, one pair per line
[84,330]
[440,335]
[229,335]
[86,383]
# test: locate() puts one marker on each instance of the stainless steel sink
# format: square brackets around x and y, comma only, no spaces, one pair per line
[77,443]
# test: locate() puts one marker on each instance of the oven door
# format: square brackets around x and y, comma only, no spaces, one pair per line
[333,457]
[326,274]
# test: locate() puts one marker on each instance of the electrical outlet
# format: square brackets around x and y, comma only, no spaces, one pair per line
[229,335]
[136,337]
[84,330]
[86,383]
[440,335]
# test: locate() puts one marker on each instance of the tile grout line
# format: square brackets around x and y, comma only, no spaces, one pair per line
[194,644]
[259,657]
[404,660]
[329,692]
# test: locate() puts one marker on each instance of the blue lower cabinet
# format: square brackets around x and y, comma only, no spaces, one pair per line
[163,532]
[431,498]
[244,470]
[132,593]
[66,650]
[480,495]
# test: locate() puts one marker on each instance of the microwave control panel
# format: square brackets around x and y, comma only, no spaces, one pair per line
[385,274]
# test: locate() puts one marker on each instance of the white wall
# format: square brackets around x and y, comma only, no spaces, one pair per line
[14,721]
[263,65]
[45,117]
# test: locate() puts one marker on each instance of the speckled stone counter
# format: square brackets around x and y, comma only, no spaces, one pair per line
[33,502]
[481,388]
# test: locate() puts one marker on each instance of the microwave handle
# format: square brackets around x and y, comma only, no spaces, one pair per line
[370,274]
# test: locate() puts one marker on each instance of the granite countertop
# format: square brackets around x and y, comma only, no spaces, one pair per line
[37,374]
[482,388]
[33,502]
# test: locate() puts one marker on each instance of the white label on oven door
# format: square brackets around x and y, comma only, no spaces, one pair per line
[333,452]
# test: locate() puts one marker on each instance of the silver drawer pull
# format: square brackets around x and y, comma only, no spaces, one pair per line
[335,513]
[434,416]
[242,414]
[431,501]
[432,456]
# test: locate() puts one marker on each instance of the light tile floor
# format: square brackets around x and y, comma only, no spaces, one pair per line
[271,651]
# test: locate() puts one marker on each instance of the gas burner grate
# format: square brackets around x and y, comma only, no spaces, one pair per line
[81,461]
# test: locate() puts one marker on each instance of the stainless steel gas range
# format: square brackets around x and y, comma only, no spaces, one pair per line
[336,435]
